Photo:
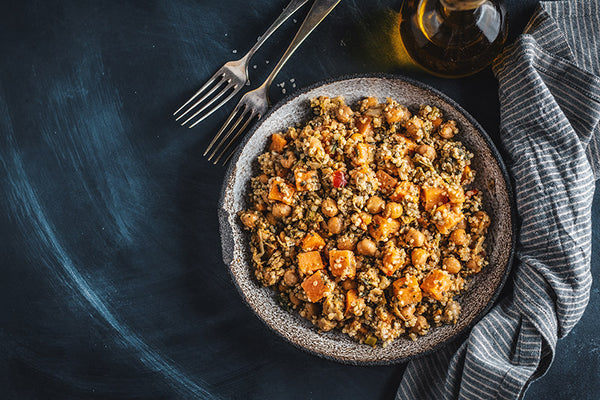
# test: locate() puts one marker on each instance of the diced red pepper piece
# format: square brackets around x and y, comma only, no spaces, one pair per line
[339,179]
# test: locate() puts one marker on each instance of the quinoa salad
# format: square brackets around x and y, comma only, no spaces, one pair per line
[364,220]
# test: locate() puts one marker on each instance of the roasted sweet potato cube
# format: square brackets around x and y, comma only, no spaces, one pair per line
[312,241]
[362,152]
[363,124]
[315,287]
[456,195]
[405,190]
[433,197]
[407,290]
[281,191]
[342,264]
[383,228]
[446,218]
[387,183]
[277,143]
[354,304]
[393,259]
[306,180]
[437,284]
[310,262]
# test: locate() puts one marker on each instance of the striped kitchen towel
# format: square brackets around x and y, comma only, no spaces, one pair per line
[549,92]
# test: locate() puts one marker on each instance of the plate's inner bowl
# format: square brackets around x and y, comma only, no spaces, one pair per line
[490,179]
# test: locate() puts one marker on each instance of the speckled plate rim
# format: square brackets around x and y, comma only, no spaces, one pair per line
[226,232]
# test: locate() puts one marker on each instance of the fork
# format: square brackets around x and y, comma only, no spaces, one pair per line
[255,103]
[230,78]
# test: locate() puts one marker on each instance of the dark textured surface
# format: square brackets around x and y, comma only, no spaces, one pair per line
[112,281]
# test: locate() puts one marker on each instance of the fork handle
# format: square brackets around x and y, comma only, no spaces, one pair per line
[290,9]
[319,10]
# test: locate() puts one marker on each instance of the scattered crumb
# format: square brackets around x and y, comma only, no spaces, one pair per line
[283,91]
[254,66]
[294,20]
[234,51]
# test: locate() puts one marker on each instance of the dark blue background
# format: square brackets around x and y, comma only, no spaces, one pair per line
[112,283]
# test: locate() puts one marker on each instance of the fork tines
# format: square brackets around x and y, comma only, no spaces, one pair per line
[243,115]
[218,87]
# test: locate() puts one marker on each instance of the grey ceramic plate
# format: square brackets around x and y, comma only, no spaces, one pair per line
[491,178]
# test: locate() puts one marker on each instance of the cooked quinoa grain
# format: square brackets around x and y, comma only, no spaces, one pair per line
[362,219]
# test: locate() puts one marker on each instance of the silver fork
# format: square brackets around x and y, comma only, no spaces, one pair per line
[230,78]
[256,102]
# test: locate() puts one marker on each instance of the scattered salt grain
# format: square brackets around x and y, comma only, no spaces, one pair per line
[234,51]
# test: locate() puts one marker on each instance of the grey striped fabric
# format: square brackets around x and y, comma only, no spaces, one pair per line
[550,110]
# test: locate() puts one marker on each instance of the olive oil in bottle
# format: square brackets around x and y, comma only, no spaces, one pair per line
[453,38]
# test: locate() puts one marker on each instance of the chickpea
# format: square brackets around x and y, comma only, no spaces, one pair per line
[407,312]
[271,218]
[290,278]
[421,325]
[349,284]
[335,225]
[414,127]
[311,309]
[263,178]
[459,237]
[426,151]
[281,210]
[474,264]
[344,113]
[448,130]
[375,205]
[393,210]
[451,264]
[415,238]
[249,219]
[419,257]
[346,243]
[366,247]
[295,300]
[329,207]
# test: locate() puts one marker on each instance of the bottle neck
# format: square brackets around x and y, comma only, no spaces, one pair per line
[461,5]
